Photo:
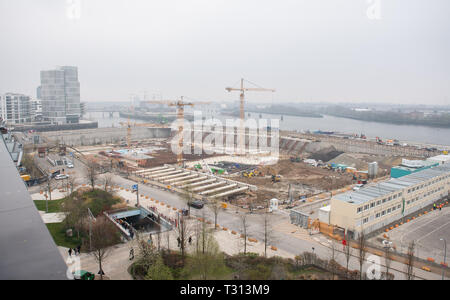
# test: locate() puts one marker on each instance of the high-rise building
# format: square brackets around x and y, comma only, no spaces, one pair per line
[60,94]
[15,108]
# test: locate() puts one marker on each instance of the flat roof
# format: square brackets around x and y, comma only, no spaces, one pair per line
[27,251]
[441,157]
[381,189]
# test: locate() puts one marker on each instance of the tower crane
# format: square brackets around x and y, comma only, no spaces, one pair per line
[243,89]
[179,104]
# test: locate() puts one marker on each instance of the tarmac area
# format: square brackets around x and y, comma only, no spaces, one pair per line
[427,232]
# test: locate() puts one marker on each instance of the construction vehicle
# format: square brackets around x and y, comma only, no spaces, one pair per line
[276,178]
[242,89]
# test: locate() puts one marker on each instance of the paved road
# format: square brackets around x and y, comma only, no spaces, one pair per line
[229,218]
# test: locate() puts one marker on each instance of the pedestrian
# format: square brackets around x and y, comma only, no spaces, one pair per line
[79,249]
[190,240]
[179,241]
[70,252]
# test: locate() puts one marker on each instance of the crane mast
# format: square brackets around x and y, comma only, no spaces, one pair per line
[242,90]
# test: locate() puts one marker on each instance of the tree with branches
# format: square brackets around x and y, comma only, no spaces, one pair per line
[410,261]
[216,206]
[75,212]
[244,227]
[70,184]
[362,252]
[387,260]
[348,254]
[184,231]
[91,174]
[103,235]
[108,182]
[266,220]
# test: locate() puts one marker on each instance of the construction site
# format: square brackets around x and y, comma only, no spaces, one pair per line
[306,170]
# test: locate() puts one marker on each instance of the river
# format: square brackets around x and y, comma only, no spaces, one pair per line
[404,133]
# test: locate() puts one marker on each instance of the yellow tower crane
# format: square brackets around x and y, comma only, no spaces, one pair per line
[179,104]
[243,89]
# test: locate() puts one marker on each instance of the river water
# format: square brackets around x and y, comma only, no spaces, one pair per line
[404,133]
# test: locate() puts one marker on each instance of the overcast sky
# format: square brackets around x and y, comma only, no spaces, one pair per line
[309,50]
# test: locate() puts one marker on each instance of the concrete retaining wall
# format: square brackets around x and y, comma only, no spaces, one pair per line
[105,135]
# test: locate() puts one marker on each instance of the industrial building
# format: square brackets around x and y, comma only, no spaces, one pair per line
[412,166]
[377,205]
[441,159]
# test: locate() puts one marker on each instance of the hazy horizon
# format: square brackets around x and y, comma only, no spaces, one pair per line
[309,51]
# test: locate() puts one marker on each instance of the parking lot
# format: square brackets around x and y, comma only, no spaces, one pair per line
[426,231]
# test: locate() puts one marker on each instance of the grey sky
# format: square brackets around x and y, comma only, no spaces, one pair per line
[315,50]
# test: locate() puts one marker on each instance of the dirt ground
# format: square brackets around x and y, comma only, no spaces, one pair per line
[295,173]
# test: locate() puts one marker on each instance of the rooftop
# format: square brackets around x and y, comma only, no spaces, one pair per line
[381,189]
[27,249]
[441,157]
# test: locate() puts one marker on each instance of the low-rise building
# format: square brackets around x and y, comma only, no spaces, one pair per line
[441,159]
[411,166]
[375,206]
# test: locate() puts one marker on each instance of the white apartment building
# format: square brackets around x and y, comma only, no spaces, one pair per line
[60,95]
[15,108]
[378,205]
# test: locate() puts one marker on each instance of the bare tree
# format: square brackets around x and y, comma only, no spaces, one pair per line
[168,239]
[347,253]
[387,260]
[184,231]
[244,224]
[103,235]
[268,231]
[362,252]
[91,174]
[215,206]
[158,240]
[410,261]
[332,262]
[108,181]
[75,212]
[48,187]
[70,184]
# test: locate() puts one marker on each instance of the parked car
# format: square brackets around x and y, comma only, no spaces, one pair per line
[70,166]
[197,204]
[61,176]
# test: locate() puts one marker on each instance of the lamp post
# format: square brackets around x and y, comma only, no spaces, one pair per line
[445,256]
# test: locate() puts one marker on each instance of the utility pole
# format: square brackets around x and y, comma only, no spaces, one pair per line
[137,195]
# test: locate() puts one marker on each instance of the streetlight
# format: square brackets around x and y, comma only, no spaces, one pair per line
[445,256]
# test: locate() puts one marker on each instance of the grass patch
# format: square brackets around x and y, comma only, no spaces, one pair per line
[58,233]
[53,205]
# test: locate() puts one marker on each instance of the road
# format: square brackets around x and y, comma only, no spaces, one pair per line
[229,218]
